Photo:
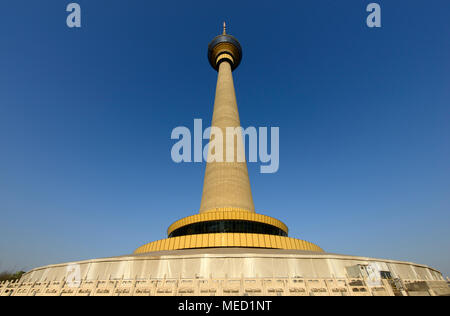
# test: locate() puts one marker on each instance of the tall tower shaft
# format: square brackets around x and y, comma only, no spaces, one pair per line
[226,184]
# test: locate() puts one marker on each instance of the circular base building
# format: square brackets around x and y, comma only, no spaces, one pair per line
[231,272]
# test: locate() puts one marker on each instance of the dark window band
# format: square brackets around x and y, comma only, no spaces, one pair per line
[228,226]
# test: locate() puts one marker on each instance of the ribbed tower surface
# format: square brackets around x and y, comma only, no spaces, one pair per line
[226,184]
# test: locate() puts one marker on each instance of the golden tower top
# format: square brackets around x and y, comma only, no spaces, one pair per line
[224,47]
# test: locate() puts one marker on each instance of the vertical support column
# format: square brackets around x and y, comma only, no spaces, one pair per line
[226,184]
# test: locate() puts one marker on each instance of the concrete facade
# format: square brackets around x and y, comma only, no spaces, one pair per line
[231,271]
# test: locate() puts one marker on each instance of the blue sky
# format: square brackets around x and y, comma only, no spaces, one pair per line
[86,116]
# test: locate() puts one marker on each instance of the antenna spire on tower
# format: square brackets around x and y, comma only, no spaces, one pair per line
[224,28]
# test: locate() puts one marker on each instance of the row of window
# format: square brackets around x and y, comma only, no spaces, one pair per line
[227,226]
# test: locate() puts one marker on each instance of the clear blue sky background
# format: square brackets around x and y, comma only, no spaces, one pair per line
[86,116]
